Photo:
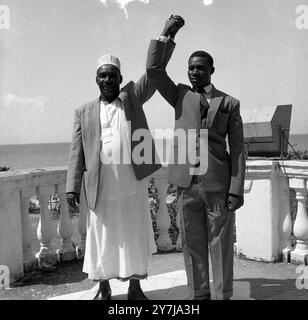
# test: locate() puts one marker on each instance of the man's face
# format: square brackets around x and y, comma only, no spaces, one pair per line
[199,72]
[108,78]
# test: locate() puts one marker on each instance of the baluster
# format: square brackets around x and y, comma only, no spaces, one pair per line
[29,260]
[285,224]
[164,242]
[285,236]
[300,229]
[82,225]
[66,252]
[45,228]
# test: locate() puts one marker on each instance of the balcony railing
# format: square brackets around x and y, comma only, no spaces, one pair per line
[17,248]
[263,225]
[267,222]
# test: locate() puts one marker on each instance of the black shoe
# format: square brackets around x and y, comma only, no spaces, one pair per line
[103,294]
[207,296]
[136,295]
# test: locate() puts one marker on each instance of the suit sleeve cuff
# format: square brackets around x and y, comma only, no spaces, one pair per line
[163,38]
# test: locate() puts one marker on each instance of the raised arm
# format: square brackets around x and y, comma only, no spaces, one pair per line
[159,54]
[146,86]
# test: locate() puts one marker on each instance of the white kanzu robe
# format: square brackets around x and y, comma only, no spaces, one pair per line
[120,236]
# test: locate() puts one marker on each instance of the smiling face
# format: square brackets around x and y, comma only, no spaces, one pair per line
[109,78]
[199,71]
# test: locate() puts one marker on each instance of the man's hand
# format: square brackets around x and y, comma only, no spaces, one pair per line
[72,199]
[234,202]
[172,26]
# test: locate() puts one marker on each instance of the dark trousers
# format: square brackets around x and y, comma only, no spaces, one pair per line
[206,226]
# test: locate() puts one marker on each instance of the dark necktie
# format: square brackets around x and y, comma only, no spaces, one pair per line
[204,105]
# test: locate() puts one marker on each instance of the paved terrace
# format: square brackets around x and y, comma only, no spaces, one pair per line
[167,281]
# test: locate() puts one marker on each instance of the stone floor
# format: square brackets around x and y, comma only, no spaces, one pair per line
[167,281]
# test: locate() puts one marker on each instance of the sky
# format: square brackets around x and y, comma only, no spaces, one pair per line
[48,57]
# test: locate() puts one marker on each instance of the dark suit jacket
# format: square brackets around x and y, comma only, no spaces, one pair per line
[84,158]
[226,171]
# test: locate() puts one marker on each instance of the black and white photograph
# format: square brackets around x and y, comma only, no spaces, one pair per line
[153,150]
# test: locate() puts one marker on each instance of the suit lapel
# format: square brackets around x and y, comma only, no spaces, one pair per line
[94,120]
[215,102]
[123,97]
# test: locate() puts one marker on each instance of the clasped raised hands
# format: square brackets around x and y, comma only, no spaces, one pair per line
[173,25]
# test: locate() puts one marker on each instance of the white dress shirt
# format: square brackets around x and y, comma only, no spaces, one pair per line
[118,176]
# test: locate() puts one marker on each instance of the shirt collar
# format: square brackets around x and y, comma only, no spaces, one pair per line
[117,99]
[208,88]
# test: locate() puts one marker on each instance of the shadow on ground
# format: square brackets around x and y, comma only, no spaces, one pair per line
[62,273]
[63,278]
[176,293]
[274,289]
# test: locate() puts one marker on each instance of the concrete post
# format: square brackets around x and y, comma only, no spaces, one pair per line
[257,221]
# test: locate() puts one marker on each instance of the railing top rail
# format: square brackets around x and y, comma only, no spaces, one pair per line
[32,177]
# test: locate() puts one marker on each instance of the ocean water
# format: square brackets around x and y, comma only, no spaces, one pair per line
[29,156]
[299,142]
[34,156]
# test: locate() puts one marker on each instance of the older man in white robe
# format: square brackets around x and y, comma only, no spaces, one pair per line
[120,236]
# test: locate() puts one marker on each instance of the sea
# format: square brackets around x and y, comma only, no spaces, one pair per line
[36,156]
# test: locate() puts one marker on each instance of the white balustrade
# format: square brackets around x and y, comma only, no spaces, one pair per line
[263,224]
[267,206]
[300,228]
[11,247]
[297,172]
[16,189]
[66,251]
[22,185]
[17,236]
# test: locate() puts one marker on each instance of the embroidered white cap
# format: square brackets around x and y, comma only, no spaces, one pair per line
[108,59]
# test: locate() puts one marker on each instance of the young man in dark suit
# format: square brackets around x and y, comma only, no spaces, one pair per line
[206,201]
